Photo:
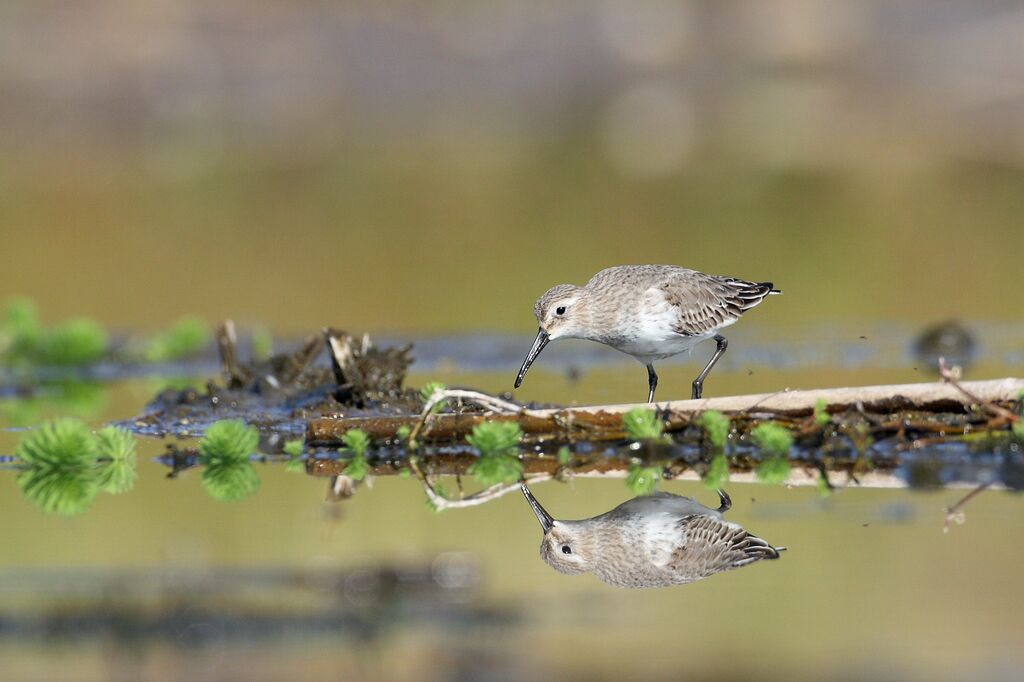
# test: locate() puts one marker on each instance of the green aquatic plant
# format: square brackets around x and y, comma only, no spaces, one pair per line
[20,329]
[402,432]
[427,392]
[495,438]
[115,448]
[357,441]
[261,344]
[642,480]
[716,427]
[774,442]
[497,443]
[717,474]
[642,423]
[821,415]
[294,448]
[564,455]
[23,340]
[78,341]
[60,474]
[186,337]
[224,452]
[773,471]
[772,439]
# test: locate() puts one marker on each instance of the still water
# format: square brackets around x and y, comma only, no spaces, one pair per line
[164,582]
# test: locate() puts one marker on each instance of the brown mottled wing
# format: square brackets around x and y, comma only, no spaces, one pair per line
[709,302]
[712,545]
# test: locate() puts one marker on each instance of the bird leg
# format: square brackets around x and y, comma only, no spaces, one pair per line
[698,383]
[652,381]
[726,504]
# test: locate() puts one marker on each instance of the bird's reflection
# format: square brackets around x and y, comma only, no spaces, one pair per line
[652,541]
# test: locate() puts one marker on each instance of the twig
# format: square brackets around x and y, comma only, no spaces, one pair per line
[955,513]
[441,502]
[950,376]
[490,402]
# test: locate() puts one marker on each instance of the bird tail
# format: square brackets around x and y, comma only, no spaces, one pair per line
[770,287]
[754,548]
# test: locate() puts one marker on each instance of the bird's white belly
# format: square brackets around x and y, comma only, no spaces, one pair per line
[647,349]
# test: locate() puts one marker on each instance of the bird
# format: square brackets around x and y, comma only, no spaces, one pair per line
[648,311]
[655,540]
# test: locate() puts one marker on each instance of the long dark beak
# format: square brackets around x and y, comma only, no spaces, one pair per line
[538,345]
[546,522]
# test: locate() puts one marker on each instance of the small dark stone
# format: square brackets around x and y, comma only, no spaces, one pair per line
[949,339]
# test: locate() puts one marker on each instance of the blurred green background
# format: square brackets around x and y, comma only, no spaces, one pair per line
[431,168]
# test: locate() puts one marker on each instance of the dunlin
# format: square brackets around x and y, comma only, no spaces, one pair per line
[652,541]
[648,311]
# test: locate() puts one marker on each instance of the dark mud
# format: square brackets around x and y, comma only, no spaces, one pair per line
[363,387]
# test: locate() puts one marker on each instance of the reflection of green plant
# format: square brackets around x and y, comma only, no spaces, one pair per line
[357,468]
[295,465]
[642,480]
[716,427]
[642,423]
[186,337]
[564,455]
[440,492]
[823,488]
[116,450]
[224,452]
[293,447]
[717,474]
[60,467]
[491,470]
[68,398]
[772,439]
[497,443]
[83,399]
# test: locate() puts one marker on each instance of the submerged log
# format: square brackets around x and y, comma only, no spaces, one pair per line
[604,422]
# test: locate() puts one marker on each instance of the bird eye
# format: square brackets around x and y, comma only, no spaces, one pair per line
[566,549]
[560,310]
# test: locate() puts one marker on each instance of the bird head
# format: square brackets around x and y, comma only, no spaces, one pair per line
[564,546]
[559,315]
[558,312]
